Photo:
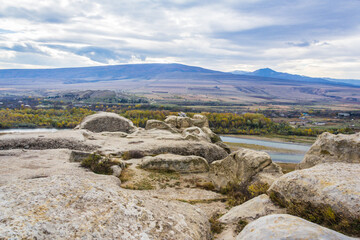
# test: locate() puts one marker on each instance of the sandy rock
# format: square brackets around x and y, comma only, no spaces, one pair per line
[224,146]
[116,170]
[268,175]
[283,226]
[106,122]
[200,121]
[68,139]
[239,167]
[195,133]
[336,185]
[76,207]
[79,156]
[182,164]
[333,148]
[251,210]
[160,125]
[213,136]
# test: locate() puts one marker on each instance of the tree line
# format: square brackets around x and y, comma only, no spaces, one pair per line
[221,123]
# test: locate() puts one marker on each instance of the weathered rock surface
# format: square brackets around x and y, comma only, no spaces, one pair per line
[283,226]
[333,148]
[156,124]
[182,164]
[336,185]
[247,212]
[251,210]
[200,121]
[195,133]
[241,166]
[106,122]
[68,139]
[77,207]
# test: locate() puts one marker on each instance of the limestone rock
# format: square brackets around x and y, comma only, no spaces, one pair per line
[106,122]
[182,164]
[336,185]
[78,156]
[79,207]
[251,210]
[333,148]
[224,146]
[200,121]
[116,170]
[195,133]
[283,226]
[68,139]
[268,174]
[156,124]
[239,167]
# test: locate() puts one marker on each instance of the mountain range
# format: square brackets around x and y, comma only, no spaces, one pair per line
[268,72]
[263,85]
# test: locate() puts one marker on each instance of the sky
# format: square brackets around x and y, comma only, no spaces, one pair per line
[318,38]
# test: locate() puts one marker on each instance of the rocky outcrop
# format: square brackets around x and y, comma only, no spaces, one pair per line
[156,124]
[200,121]
[209,151]
[240,167]
[251,210]
[106,122]
[80,207]
[182,164]
[283,226]
[331,190]
[333,148]
[195,134]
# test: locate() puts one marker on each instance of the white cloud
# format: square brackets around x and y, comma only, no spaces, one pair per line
[304,37]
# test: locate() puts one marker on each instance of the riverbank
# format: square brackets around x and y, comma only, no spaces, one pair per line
[277,138]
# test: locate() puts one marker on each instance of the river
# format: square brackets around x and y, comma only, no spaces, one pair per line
[275,156]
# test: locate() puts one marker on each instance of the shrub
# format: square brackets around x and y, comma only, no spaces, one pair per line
[216,226]
[98,164]
[132,154]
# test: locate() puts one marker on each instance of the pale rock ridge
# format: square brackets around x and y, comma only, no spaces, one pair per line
[333,148]
[283,226]
[182,164]
[336,185]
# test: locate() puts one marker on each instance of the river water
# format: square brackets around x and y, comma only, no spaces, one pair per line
[275,156]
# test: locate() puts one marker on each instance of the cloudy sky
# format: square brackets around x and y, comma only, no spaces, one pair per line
[309,37]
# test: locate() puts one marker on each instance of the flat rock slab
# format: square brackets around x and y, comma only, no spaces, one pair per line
[80,207]
[333,148]
[285,227]
[177,163]
[334,184]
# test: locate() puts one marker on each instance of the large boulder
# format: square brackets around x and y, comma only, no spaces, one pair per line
[241,167]
[106,122]
[333,148]
[195,133]
[182,164]
[83,207]
[283,226]
[331,190]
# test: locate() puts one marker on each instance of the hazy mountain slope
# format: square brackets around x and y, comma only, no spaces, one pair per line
[267,72]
